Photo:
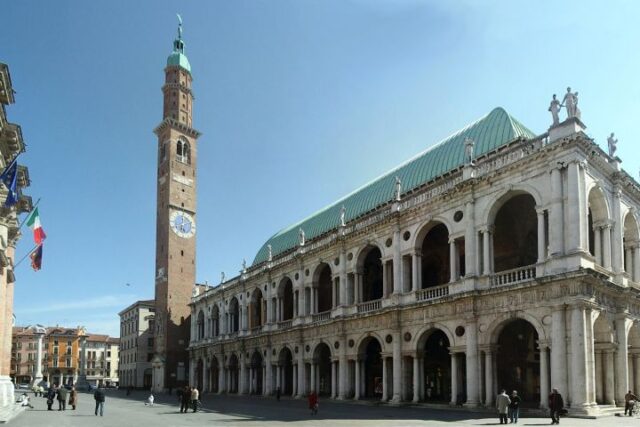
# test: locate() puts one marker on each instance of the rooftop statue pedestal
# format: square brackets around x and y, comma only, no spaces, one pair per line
[569,127]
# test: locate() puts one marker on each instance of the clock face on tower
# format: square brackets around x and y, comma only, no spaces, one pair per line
[182,224]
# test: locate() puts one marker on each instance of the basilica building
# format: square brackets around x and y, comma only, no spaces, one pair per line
[498,258]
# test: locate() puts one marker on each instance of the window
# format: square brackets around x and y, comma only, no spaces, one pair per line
[108,353]
[55,350]
[150,342]
[55,363]
[149,357]
[55,342]
[68,363]
[183,152]
[69,343]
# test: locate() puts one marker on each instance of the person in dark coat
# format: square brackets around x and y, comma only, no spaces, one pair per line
[278,394]
[51,394]
[99,397]
[313,402]
[62,398]
[514,407]
[73,398]
[186,399]
[555,406]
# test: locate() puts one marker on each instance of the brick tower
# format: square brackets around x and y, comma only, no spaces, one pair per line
[175,223]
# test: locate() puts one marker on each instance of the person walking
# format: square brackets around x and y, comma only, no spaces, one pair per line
[99,397]
[514,407]
[278,394]
[150,400]
[555,406]
[186,398]
[628,399]
[62,398]
[51,394]
[195,399]
[73,398]
[313,402]
[502,403]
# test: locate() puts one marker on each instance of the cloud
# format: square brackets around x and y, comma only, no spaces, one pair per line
[106,301]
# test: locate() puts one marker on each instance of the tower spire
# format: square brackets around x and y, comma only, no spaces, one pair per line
[178,57]
[179,26]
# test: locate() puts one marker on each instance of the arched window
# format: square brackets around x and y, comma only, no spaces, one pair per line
[183,152]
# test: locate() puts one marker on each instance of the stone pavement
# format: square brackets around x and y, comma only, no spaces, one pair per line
[124,411]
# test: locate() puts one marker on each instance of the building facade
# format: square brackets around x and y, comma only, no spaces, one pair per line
[136,344]
[11,145]
[175,223]
[102,360]
[496,259]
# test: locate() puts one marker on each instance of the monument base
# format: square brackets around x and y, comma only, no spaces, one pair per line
[567,128]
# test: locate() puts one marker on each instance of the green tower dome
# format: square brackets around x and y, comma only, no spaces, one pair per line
[177,57]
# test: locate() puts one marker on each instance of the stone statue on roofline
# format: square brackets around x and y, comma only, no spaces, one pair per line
[244,265]
[612,142]
[570,101]
[301,237]
[554,108]
[222,277]
[398,191]
[468,150]
[269,253]
[343,213]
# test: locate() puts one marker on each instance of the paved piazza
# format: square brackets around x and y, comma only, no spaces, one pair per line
[235,411]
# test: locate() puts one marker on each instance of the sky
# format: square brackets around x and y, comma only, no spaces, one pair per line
[299,103]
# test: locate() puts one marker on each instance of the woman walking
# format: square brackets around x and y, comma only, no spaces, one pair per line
[73,398]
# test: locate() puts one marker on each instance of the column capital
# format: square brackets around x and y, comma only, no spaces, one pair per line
[540,210]
[543,344]
[417,253]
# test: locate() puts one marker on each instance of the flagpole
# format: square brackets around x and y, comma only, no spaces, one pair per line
[30,212]
[23,258]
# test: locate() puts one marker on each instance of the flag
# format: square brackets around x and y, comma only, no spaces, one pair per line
[9,177]
[36,258]
[33,221]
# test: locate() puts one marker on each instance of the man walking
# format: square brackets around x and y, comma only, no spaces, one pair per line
[186,398]
[628,406]
[195,399]
[99,397]
[51,394]
[502,403]
[555,406]
[514,407]
[62,398]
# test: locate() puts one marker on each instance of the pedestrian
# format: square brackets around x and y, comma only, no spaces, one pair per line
[313,402]
[556,404]
[51,394]
[186,399]
[99,397]
[73,398]
[629,400]
[195,399]
[24,401]
[129,390]
[278,394]
[514,407]
[62,398]
[502,403]
[179,394]
[150,400]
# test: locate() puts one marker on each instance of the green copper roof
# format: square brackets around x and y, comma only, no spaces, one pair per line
[179,59]
[490,132]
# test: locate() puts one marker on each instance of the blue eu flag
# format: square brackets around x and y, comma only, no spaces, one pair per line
[9,177]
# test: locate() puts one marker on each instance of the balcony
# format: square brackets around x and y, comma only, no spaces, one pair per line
[321,317]
[285,324]
[430,294]
[366,307]
[514,276]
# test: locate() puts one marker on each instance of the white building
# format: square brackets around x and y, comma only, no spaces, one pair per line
[136,344]
[497,258]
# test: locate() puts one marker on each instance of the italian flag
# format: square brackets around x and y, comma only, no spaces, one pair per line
[33,221]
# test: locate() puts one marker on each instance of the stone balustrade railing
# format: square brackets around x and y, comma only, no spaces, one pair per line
[516,275]
[365,307]
[432,293]
[325,315]
[285,324]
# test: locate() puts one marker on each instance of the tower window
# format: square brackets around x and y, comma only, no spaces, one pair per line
[183,152]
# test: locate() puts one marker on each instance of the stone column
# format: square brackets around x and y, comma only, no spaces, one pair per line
[385,379]
[416,379]
[385,279]
[636,371]
[488,378]
[294,386]
[609,386]
[579,357]
[574,208]
[82,380]
[342,371]
[544,376]
[597,243]
[559,350]
[556,215]
[313,376]
[470,240]
[397,369]
[454,378]
[473,367]
[542,244]
[636,263]
[301,371]
[622,355]
[606,243]
[599,384]
[222,387]
[416,269]
[628,256]
[344,283]
[334,378]
[486,251]
[616,233]
[242,389]
[39,333]
[397,263]
[453,260]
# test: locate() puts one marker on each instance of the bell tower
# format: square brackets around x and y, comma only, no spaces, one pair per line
[175,223]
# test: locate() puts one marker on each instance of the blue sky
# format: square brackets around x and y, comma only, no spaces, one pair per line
[299,103]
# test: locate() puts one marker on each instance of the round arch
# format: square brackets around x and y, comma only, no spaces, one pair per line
[423,334]
[423,229]
[497,201]
[598,204]
[364,339]
[497,325]
[322,281]
[362,253]
[285,295]
[370,349]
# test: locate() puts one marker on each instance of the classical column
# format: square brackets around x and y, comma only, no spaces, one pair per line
[313,376]
[622,354]
[385,279]
[397,263]
[222,387]
[609,385]
[416,379]
[333,380]
[344,283]
[357,379]
[301,371]
[597,243]
[243,377]
[278,377]
[559,350]
[82,381]
[636,263]
[544,376]
[454,378]
[470,240]
[294,386]
[616,232]
[542,244]
[488,378]
[473,367]
[453,260]
[416,268]
[628,256]
[556,216]
[606,243]
[636,371]
[486,251]
[342,370]
[39,333]
[599,378]
[397,368]
[385,379]
[579,357]
[574,208]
